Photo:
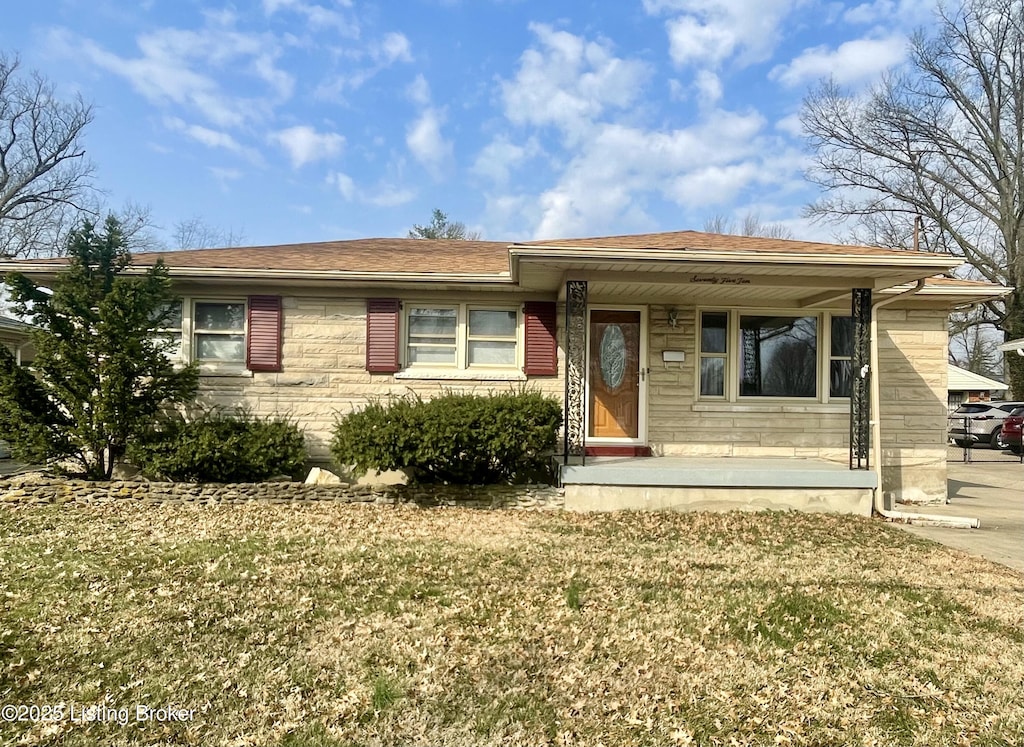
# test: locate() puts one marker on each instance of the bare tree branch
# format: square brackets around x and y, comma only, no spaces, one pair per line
[44,174]
[750,225]
[943,140]
[196,233]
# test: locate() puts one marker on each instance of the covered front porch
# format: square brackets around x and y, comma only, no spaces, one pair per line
[716,484]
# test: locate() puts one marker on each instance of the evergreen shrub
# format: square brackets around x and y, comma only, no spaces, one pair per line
[219,446]
[455,438]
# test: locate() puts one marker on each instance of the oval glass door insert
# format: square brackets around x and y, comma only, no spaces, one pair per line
[613,356]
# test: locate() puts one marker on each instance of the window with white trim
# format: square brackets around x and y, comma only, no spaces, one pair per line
[714,335]
[774,355]
[840,359]
[218,332]
[170,331]
[210,332]
[461,336]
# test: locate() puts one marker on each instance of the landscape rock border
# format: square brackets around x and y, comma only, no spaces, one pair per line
[28,490]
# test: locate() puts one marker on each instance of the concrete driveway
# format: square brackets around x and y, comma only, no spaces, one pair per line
[992,492]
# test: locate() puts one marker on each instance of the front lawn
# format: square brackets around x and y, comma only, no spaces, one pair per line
[356,625]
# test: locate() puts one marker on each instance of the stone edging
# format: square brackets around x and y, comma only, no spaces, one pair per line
[41,491]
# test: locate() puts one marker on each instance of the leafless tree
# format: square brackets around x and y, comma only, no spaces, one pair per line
[942,138]
[196,233]
[973,344]
[45,177]
[751,225]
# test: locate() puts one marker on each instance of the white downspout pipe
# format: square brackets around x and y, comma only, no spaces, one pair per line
[960,522]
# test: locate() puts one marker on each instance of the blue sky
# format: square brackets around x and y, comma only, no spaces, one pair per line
[313,120]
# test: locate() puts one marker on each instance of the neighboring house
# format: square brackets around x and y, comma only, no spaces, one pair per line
[967,386]
[15,335]
[685,344]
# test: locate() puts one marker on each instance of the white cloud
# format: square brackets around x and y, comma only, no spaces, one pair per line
[427,144]
[709,88]
[343,183]
[705,33]
[210,138]
[305,145]
[389,195]
[903,12]
[225,176]
[609,178]
[383,195]
[569,82]
[852,62]
[419,91]
[180,67]
[391,49]
[790,125]
[501,156]
[317,16]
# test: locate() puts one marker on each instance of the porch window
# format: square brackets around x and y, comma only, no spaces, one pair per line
[778,356]
[840,362]
[714,328]
[768,354]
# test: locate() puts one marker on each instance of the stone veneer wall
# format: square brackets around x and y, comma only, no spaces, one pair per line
[324,369]
[49,490]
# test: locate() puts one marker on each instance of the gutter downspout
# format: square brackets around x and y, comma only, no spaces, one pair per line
[959,522]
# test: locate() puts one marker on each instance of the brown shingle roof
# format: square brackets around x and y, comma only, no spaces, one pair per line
[359,255]
[447,256]
[698,241]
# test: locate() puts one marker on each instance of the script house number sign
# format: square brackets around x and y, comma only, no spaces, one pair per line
[613,356]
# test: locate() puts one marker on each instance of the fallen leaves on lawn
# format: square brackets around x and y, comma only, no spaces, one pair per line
[332,625]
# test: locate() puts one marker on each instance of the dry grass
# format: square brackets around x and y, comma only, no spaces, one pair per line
[361,625]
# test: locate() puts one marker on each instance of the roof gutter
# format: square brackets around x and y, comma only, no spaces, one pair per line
[958,522]
[937,261]
[230,273]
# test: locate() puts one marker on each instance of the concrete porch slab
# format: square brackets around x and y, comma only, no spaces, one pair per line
[728,472]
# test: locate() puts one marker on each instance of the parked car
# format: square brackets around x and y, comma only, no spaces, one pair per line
[981,422]
[1011,433]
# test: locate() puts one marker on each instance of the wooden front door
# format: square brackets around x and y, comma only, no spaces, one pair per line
[613,374]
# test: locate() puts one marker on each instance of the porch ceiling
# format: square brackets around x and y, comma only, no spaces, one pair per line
[744,284]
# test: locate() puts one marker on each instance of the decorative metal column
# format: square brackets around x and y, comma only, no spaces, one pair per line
[860,396]
[575,370]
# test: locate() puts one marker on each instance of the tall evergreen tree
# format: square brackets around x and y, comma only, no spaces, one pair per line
[101,371]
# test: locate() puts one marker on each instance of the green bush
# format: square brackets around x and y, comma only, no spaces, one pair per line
[461,439]
[216,446]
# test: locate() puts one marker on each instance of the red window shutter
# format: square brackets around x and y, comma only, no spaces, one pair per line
[263,339]
[541,342]
[382,335]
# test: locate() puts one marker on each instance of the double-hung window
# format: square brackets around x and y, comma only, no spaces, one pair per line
[218,332]
[461,336]
[777,355]
[212,333]
[433,335]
